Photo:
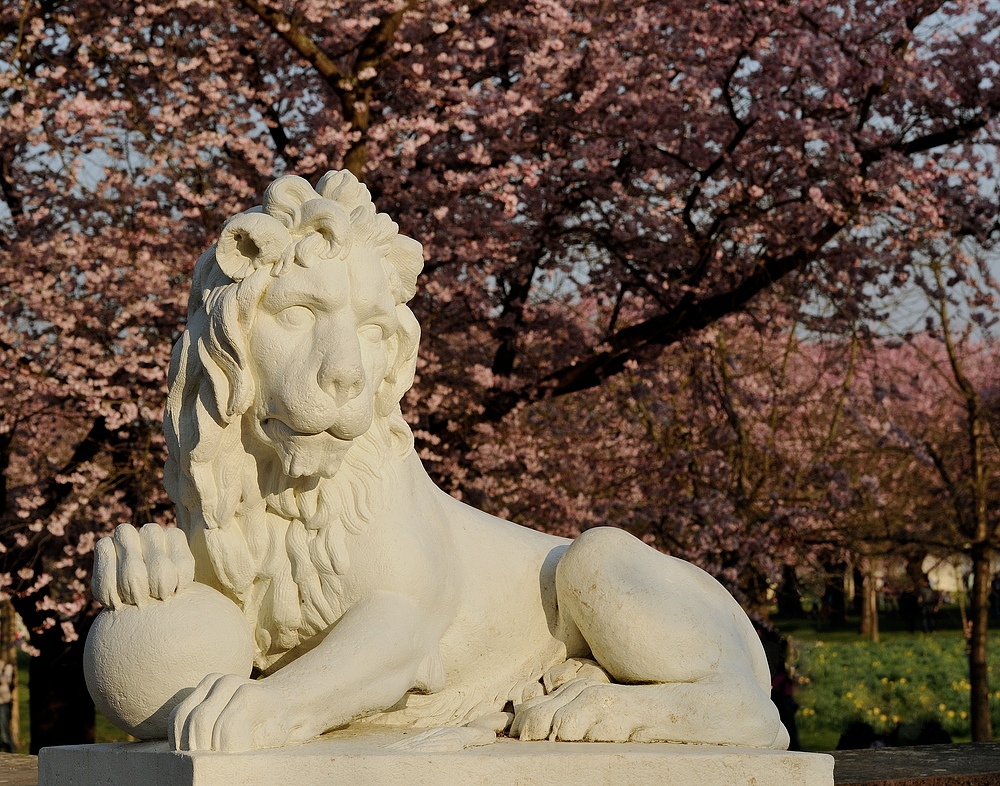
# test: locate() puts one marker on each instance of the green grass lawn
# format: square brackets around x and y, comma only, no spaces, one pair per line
[896,685]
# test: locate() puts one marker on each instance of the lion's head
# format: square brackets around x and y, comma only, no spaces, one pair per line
[284,398]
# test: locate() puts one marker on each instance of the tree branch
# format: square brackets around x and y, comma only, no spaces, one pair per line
[948,136]
[299,41]
[655,334]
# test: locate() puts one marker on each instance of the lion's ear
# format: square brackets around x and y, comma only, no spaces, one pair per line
[248,241]
[406,256]
[402,350]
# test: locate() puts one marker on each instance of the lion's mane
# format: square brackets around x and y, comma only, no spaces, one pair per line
[277,545]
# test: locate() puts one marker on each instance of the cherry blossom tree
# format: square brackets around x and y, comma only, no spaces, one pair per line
[938,392]
[593,183]
[735,450]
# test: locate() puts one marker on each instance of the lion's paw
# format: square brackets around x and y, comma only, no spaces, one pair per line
[525,691]
[533,720]
[593,716]
[572,669]
[580,710]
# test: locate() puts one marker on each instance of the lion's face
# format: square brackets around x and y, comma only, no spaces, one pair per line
[319,350]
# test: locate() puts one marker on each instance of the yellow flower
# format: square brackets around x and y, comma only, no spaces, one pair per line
[942,707]
[951,713]
[962,714]
[883,718]
[902,680]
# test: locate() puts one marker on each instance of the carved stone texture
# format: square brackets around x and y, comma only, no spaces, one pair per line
[370,759]
[374,598]
[140,661]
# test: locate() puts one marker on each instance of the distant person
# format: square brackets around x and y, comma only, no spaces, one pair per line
[929,601]
[6,699]
[889,596]
[909,609]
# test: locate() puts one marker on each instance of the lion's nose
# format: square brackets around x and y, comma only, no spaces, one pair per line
[346,384]
[342,374]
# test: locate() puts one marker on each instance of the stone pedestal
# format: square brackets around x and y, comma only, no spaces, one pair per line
[353,760]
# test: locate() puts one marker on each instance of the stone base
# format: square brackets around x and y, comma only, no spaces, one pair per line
[342,759]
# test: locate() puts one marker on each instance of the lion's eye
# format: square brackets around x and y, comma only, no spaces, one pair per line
[295,317]
[371,332]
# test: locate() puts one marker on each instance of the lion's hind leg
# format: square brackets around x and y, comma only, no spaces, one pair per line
[647,617]
[688,664]
[694,712]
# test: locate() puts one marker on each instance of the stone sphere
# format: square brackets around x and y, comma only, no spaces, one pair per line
[140,662]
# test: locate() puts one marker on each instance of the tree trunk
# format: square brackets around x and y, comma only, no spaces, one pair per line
[8,654]
[869,601]
[969,499]
[62,712]
[979,610]
[357,112]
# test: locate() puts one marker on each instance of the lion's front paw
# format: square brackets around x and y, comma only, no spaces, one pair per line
[229,713]
[132,566]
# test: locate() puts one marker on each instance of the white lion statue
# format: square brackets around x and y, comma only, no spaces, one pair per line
[372,596]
